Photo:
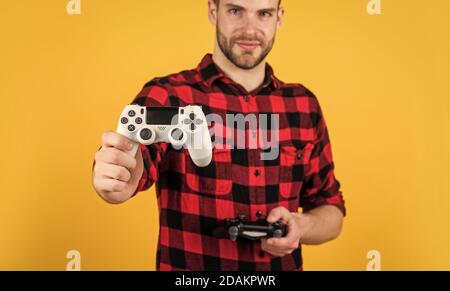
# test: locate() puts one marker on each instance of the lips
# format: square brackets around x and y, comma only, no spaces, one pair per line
[248,45]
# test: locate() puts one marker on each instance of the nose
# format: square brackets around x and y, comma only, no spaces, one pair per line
[249,24]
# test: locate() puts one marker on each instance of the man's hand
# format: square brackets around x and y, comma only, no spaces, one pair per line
[317,226]
[297,226]
[116,174]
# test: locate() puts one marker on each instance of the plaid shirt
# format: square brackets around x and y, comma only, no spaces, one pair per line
[193,200]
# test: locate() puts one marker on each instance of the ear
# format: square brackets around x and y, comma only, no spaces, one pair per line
[280,15]
[212,12]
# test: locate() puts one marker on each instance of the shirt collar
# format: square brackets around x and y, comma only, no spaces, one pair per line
[210,72]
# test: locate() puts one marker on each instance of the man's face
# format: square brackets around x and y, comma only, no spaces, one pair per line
[246,29]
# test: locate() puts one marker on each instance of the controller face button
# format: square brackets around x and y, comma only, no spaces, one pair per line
[193,126]
[146,134]
[138,120]
[131,127]
[124,120]
[187,121]
[198,121]
[192,116]
[233,232]
[131,113]
[177,134]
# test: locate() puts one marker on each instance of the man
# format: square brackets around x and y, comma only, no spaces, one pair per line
[235,79]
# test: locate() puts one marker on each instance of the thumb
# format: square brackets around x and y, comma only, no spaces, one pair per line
[279,213]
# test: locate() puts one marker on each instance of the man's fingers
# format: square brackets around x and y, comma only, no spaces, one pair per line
[279,213]
[290,241]
[278,252]
[283,243]
[276,244]
[116,157]
[115,172]
[110,185]
[116,140]
[291,238]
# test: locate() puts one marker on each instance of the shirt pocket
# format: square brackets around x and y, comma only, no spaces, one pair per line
[293,160]
[214,179]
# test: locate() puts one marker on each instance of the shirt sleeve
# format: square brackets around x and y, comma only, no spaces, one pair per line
[152,94]
[320,185]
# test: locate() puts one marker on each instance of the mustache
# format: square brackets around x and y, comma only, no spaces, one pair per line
[247,38]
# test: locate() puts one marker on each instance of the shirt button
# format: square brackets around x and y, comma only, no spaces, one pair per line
[299,156]
[257,173]
[246,98]
[262,254]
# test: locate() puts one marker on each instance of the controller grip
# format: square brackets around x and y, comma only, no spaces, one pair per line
[200,148]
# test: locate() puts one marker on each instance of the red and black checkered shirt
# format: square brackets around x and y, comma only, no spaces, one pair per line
[192,200]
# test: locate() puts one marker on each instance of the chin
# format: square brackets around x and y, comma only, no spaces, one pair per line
[248,60]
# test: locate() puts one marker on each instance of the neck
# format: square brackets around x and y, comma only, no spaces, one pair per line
[249,79]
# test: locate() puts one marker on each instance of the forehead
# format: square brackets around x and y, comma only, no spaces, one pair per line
[251,4]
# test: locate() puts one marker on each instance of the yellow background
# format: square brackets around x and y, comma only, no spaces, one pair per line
[382,81]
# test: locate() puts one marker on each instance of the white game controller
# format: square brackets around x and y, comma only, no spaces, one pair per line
[177,125]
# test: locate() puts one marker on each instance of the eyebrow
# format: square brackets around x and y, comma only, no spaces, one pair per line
[230,5]
[268,10]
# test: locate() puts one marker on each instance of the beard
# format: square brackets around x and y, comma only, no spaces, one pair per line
[245,60]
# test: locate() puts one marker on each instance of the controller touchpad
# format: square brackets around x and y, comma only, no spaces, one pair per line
[162,115]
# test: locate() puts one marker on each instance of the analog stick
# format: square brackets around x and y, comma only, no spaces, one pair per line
[146,134]
[177,134]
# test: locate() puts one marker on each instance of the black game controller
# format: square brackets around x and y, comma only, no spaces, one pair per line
[233,228]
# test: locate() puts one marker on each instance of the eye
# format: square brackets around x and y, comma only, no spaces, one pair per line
[265,14]
[234,11]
